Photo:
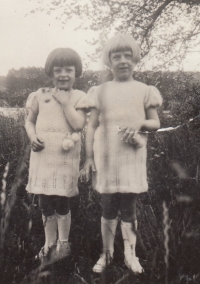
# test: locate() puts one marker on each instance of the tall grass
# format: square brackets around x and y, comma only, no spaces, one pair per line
[168,237]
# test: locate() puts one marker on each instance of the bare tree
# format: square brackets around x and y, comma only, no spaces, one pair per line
[165,29]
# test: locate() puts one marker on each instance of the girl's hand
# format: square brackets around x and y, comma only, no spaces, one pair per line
[37,144]
[131,136]
[85,172]
[130,133]
[62,97]
[137,140]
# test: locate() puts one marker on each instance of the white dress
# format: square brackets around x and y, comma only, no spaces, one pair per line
[120,166]
[53,171]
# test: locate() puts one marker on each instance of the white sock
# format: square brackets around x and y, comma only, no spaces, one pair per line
[50,229]
[129,237]
[64,223]
[108,230]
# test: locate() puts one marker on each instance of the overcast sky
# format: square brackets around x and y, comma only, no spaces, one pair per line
[27,40]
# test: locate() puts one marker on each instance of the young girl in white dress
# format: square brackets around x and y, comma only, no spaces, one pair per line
[53,126]
[115,151]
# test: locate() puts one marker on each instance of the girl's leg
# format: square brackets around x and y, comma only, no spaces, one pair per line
[129,227]
[50,223]
[63,215]
[109,222]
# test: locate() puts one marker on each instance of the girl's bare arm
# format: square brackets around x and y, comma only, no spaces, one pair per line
[36,142]
[76,118]
[152,121]
[89,140]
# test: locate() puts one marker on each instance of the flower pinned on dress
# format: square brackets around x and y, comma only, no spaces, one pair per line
[70,140]
[75,137]
[67,144]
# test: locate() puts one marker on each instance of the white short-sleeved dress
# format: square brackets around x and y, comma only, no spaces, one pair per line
[53,171]
[120,166]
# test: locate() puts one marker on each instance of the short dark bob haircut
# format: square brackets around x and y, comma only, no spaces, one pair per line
[63,57]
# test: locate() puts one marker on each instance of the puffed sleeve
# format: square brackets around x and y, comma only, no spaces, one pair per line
[152,98]
[91,100]
[32,102]
[78,99]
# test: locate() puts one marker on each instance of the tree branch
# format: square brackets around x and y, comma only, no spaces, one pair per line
[155,16]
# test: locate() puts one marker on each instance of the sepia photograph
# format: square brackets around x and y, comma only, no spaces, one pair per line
[100,142]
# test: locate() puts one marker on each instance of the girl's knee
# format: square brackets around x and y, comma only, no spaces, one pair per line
[109,215]
[62,211]
[62,205]
[46,205]
[110,206]
[128,208]
[47,213]
[128,216]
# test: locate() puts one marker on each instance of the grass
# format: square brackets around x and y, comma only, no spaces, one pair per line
[168,217]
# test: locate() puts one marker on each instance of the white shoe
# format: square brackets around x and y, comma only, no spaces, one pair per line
[132,262]
[104,260]
[46,254]
[62,249]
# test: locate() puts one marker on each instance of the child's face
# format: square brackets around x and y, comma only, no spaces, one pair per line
[122,65]
[64,77]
